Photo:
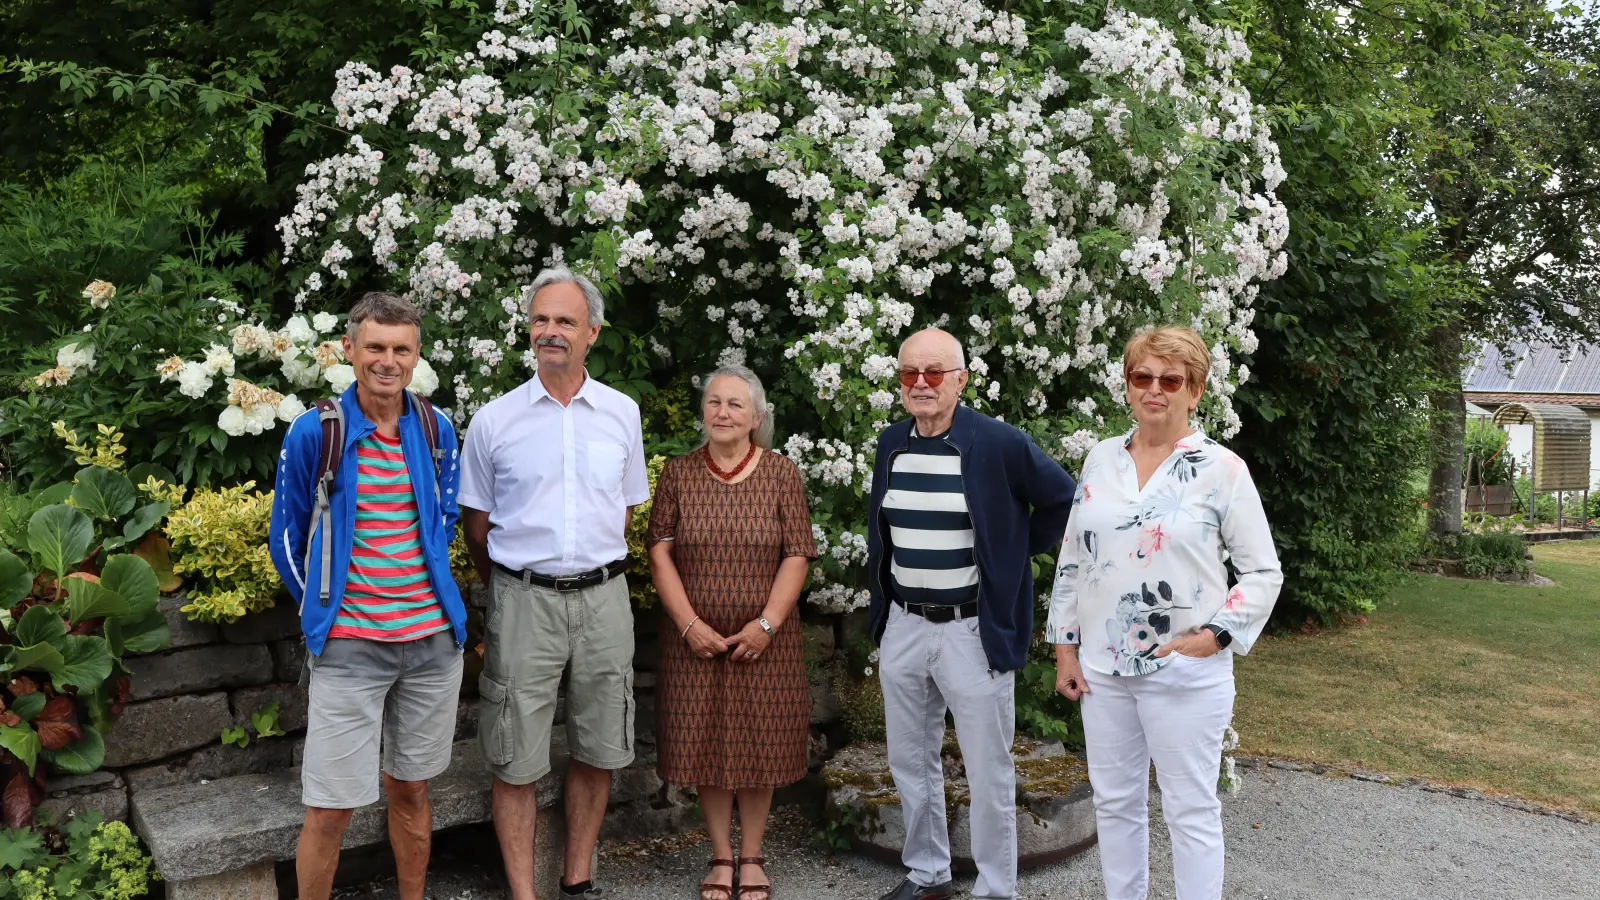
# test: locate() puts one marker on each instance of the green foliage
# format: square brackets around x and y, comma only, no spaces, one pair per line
[236,736]
[221,536]
[1488,456]
[263,720]
[86,858]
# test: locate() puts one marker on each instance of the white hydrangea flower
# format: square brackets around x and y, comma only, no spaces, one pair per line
[290,408]
[219,360]
[299,330]
[232,421]
[194,379]
[424,380]
[260,417]
[340,376]
[75,358]
[100,294]
[324,323]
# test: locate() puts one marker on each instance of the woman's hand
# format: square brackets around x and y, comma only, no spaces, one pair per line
[1070,682]
[1197,644]
[704,641]
[749,643]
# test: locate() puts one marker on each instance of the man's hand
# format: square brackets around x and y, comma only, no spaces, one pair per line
[1197,644]
[1070,682]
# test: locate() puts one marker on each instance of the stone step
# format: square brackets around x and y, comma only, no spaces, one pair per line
[200,831]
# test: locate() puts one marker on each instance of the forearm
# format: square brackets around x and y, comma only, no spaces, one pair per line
[475,531]
[669,585]
[786,590]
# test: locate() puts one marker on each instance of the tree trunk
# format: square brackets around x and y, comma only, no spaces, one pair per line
[1447,424]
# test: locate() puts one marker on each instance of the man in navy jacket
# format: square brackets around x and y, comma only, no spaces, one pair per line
[960,503]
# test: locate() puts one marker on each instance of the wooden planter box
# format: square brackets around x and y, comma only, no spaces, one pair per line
[1493,499]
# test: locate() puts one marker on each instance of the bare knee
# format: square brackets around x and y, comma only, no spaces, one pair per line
[327,822]
[406,795]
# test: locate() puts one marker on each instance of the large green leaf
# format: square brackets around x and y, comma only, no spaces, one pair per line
[39,657]
[144,518]
[79,758]
[88,600]
[86,661]
[144,634]
[39,625]
[144,471]
[15,579]
[23,741]
[28,705]
[59,536]
[103,493]
[50,496]
[133,578]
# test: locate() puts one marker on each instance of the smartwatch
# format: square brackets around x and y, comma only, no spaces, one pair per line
[1221,634]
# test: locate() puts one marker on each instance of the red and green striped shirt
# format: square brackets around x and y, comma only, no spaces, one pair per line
[388,596]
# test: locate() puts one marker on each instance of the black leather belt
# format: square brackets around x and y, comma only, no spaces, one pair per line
[939,612]
[568,582]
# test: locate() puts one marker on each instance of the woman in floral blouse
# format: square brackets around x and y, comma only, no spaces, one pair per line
[1145,623]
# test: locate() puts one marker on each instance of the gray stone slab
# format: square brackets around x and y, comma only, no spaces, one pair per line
[258,882]
[197,669]
[825,706]
[636,782]
[291,698]
[184,632]
[214,762]
[72,784]
[278,623]
[288,659]
[157,729]
[199,830]
[111,803]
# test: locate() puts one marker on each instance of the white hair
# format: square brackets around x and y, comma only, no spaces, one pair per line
[961,353]
[761,434]
[564,275]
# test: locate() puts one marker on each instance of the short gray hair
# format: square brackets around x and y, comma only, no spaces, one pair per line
[385,309]
[761,434]
[564,275]
[961,353]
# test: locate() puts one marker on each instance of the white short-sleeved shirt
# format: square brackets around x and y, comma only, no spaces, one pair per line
[556,480]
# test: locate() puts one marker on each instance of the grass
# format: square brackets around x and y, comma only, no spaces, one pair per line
[1469,683]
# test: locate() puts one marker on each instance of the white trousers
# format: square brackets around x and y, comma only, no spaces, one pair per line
[1175,716]
[925,669]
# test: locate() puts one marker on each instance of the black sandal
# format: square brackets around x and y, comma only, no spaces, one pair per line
[763,891]
[709,891]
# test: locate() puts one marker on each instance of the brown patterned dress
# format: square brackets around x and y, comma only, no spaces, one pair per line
[721,723]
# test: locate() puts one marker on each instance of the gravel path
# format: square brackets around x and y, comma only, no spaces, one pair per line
[1291,836]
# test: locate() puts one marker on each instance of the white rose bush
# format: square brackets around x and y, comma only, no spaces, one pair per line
[798,185]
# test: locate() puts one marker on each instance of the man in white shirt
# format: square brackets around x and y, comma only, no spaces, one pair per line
[549,476]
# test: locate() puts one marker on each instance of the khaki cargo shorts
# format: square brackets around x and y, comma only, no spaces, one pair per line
[533,635]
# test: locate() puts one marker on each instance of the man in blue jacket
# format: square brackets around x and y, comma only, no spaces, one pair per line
[383,619]
[960,504]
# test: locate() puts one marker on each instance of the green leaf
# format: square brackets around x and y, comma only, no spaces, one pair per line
[15,579]
[59,536]
[39,625]
[87,600]
[133,578]
[22,848]
[28,705]
[103,493]
[144,471]
[50,496]
[145,634]
[144,518]
[86,661]
[23,741]
[39,657]
[79,758]
[236,735]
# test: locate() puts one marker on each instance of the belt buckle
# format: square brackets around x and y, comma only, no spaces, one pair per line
[562,583]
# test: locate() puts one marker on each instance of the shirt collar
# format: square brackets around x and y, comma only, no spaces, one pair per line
[536,391]
[1186,443]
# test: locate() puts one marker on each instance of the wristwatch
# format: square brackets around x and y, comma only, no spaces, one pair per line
[765,625]
[1221,634]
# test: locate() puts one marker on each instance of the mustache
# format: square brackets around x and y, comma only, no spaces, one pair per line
[558,342]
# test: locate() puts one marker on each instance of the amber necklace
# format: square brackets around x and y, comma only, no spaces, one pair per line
[729,476]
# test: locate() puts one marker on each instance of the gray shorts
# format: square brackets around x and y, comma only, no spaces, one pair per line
[402,691]
[532,635]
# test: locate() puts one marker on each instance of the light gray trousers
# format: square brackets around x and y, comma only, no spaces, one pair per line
[926,669]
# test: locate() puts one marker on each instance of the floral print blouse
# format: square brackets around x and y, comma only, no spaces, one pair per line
[1141,567]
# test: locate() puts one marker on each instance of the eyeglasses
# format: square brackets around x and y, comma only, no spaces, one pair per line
[934,377]
[1169,383]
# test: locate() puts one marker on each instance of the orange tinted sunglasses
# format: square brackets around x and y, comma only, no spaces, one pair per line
[1169,383]
[934,377]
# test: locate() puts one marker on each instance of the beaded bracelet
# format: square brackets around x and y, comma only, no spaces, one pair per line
[688,626]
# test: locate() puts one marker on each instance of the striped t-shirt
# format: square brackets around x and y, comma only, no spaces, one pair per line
[930,532]
[388,596]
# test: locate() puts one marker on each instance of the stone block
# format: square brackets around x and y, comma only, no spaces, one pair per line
[199,669]
[279,622]
[288,659]
[466,719]
[634,783]
[215,762]
[110,802]
[72,784]
[291,705]
[668,811]
[184,632]
[156,729]
[825,706]
[257,882]
[817,638]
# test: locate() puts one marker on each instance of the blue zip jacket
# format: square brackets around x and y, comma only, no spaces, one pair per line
[299,562]
[1019,500]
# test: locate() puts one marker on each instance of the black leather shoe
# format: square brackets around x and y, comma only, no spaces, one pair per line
[910,890]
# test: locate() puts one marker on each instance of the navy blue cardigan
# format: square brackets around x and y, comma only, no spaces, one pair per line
[1019,500]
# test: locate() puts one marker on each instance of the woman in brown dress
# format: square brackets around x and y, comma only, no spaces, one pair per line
[730,541]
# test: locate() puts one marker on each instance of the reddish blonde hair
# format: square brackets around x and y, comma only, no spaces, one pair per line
[1174,344]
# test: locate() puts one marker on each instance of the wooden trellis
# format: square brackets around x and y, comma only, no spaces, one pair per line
[1560,461]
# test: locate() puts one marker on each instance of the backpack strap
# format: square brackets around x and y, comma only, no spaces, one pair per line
[331,416]
[430,430]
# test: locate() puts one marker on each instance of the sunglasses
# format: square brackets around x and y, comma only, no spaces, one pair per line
[934,377]
[1169,383]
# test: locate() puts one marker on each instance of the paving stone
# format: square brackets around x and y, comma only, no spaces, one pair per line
[634,783]
[825,706]
[67,784]
[111,803]
[215,762]
[275,624]
[198,669]
[291,699]
[258,882]
[156,729]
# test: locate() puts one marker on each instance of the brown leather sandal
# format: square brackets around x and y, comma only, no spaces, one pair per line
[761,891]
[709,891]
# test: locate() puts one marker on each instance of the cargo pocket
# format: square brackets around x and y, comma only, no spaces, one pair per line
[495,727]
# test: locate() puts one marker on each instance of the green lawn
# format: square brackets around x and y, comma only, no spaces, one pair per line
[1484,685]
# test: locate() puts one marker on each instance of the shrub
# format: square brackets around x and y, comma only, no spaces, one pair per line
[221,535]
[86,858]
[640,586]
[1488,457]
[1493,554]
